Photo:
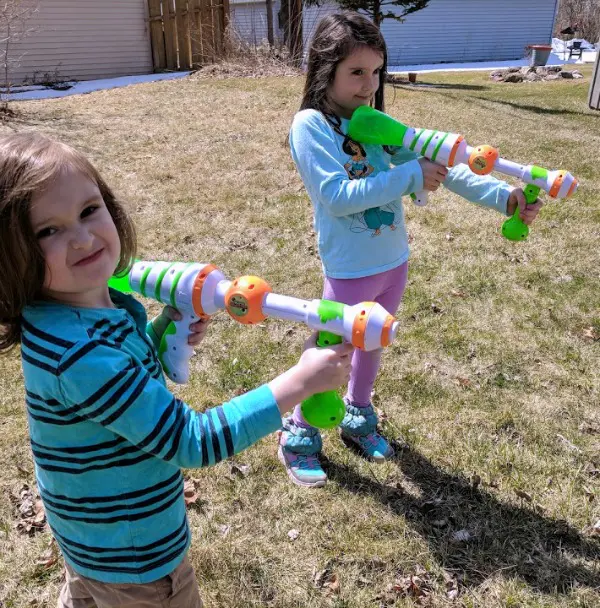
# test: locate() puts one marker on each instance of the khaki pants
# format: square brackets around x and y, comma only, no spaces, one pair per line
[177,590]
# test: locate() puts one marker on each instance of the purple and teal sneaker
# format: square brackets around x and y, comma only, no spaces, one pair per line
[359,427]
[298,451]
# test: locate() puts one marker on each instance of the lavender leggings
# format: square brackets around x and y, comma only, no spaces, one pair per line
[387,289]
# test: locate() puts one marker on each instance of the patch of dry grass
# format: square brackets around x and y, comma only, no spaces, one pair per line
[495,387]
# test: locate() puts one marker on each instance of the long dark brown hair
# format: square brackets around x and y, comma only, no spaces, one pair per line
[29,162]
[335,38]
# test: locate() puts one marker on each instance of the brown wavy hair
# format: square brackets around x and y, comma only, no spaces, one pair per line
[29,162]
[335,38]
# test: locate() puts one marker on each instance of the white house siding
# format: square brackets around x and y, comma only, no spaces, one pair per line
[83,40]
[249,20]
[459,30]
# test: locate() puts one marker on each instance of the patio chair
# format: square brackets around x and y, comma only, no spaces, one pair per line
[576,49]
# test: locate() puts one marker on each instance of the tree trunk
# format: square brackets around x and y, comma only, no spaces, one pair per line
[295,30]
[377,15]
[269,7]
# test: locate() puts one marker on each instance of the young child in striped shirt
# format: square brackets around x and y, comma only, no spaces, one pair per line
[108,437]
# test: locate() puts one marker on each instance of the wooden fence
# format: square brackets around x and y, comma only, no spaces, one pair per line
[187,33]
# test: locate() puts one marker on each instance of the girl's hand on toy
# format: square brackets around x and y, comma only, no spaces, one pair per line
[319,370]
[325,369]
[433,174]
[197,329]
[526,212]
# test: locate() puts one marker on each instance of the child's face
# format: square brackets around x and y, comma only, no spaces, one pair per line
[355,149]
[79,240]
[356,81]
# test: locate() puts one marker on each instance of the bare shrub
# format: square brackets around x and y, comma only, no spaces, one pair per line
[242,59]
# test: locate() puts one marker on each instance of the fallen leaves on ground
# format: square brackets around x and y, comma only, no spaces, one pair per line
[328,581]
[190,494]
[30,510]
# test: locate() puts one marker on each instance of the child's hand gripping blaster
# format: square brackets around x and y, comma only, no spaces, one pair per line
[369,126]
[200,290]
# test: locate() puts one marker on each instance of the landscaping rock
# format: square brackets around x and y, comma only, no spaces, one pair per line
[533,74]
[514,77]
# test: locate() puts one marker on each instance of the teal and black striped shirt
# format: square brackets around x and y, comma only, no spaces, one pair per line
[109,438]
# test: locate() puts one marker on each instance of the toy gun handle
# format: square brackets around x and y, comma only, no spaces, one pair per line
[324,410]
[514,228]
[420,198]
[174,352]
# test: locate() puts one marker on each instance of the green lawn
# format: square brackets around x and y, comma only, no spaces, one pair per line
[493,380]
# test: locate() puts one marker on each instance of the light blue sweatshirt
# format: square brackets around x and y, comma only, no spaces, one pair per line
[357,199]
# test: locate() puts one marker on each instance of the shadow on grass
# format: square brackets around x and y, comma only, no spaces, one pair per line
[438,85]
[542,551]
[539,110]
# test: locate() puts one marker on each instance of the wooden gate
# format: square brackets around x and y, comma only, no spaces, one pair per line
[186,34]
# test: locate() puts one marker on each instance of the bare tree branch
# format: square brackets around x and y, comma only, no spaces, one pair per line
[14,27]
[582,16]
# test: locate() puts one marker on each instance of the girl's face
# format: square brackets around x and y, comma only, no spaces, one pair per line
[355,149]
[78,238]
[356,81]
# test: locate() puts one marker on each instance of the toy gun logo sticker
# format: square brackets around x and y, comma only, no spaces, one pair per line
[238,305]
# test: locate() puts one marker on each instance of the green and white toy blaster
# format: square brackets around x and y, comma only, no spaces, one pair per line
[200,290]
[369,126]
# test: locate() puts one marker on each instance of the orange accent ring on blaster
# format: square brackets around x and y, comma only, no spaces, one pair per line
[244,299]
[385,332]
[482,159]
[359,327]
[572,188]
[454,150]
[558,181]
[197,290]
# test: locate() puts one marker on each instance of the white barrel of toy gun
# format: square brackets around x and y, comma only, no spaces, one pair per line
[375,326]
[156,280]
[304,311]
[285,307]
[308,312]
[177,354]
[525,173]
[176,290]
[418,198]
[437,146]
[172,283]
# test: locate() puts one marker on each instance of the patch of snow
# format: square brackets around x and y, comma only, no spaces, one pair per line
[88,86]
